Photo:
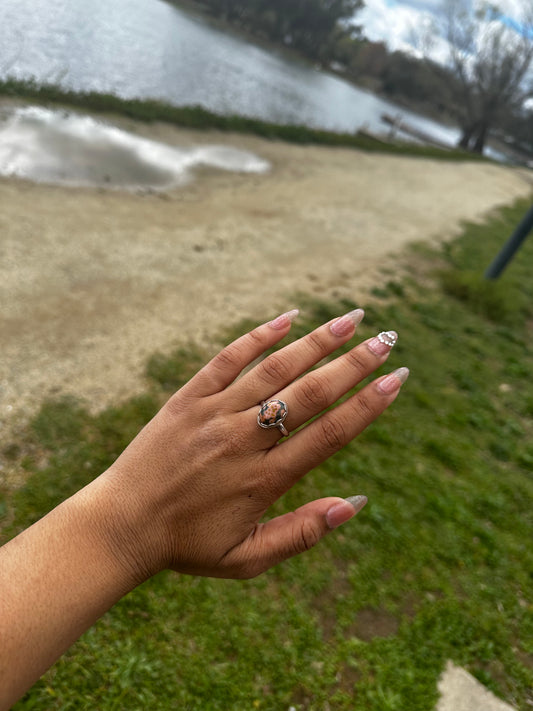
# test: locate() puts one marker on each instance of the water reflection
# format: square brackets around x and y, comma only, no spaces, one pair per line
[70,149]
[150,48]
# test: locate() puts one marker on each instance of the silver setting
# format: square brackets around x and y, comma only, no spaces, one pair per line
[279,424]
[389,338]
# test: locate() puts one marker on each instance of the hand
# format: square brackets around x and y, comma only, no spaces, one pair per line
[190,490]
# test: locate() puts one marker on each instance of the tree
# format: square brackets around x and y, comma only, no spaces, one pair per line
[490,57]
[309,26]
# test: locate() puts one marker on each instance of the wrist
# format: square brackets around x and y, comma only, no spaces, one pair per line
[113,531]
[59,577]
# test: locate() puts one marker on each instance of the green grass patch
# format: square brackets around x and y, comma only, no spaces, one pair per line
[438,566]
[197,117]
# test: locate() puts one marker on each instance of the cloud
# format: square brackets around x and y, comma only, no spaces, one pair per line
[513,8]
[402,25]
[388,22]
[433,6]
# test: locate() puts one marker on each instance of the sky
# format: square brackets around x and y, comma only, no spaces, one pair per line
[399,22]
[396,22]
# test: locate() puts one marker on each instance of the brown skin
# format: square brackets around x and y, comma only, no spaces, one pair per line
[189,492]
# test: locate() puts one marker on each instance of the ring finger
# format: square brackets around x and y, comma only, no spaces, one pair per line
[319,389]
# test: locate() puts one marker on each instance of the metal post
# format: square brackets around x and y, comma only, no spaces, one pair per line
[511,246]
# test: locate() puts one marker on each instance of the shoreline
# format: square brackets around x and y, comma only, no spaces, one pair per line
[196,9]
[150,111]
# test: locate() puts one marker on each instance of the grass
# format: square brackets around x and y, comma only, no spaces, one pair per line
[197,117]
[438,566]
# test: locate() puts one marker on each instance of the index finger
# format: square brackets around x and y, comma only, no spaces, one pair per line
[222,370]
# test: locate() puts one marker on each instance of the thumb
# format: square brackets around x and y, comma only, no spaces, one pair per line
[292,533]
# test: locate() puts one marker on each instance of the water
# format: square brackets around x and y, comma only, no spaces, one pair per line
[66,148]
[148,48]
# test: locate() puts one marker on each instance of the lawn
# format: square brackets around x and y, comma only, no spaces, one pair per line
[438,566]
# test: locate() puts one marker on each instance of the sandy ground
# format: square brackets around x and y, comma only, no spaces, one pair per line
[92,282]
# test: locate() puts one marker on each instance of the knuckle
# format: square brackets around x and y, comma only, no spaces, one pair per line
[364,407]
[332,435]
[306,536]
[210,439]
[215,439]
[356,360]
[318,343]
[313,393]
[178,404]
[234,443]
[229,358]
[275,369]
[255,338]
[234,356]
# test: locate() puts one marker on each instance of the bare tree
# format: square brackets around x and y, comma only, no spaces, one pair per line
[490,55]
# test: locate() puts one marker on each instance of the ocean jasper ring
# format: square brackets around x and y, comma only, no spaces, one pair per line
[273,414]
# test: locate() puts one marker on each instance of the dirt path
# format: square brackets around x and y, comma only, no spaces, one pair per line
[92,282]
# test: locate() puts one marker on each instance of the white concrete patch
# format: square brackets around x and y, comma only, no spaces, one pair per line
[461,692]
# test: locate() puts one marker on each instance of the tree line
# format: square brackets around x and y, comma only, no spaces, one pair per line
[482,87]
[308,26]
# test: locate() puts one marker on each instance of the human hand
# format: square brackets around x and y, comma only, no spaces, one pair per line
[189,492]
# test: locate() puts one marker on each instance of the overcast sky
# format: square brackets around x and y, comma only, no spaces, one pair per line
[397,22]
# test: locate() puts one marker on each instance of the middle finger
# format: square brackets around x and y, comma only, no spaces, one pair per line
[321,388]
[282,367]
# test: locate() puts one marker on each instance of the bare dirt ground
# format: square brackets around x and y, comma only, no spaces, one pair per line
[92,282]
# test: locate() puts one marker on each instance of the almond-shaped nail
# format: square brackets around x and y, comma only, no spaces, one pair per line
[284,320]
[393,382]
[382,343]
[346,324]
[345,510]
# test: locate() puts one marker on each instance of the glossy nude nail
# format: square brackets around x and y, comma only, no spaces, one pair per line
[393,382]
[345,510]
[345,324]
[284,320]
[382,343]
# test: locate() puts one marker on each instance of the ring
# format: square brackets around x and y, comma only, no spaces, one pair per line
[272,414]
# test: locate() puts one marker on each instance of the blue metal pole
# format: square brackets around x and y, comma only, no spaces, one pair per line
[511,246]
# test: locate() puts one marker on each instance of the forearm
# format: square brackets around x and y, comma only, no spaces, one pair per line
[56,579]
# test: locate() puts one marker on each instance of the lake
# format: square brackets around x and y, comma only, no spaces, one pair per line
[149,48]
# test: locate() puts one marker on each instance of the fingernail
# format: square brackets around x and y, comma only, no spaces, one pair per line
[345,324]
[345,510]
[284,320]
[393,382]
[382,343]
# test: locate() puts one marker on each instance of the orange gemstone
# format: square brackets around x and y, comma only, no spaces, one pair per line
[272,413]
